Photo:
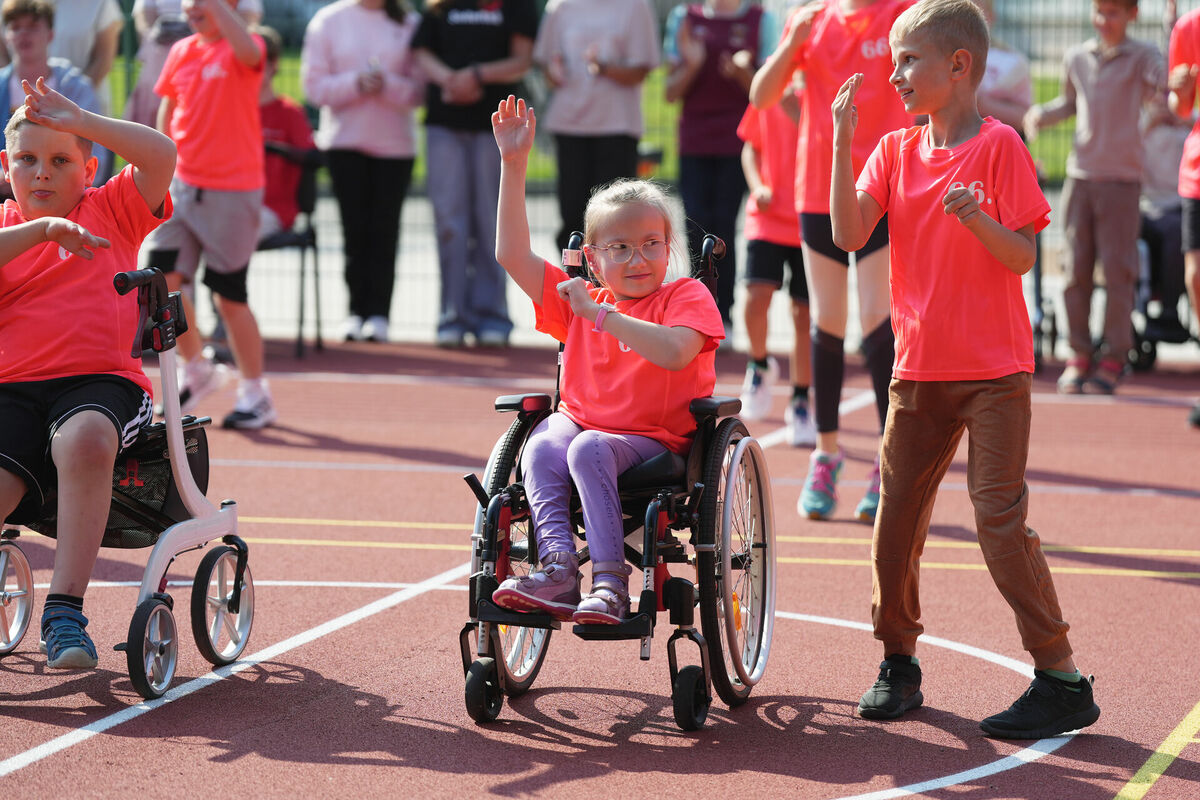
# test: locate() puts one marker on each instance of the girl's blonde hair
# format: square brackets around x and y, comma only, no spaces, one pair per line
[629,191]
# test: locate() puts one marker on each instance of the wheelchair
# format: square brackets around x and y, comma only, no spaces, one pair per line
[157,501]
[711,510]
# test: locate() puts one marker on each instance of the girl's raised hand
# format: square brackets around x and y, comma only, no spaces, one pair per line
[845,113]
[47,107]
[513,125]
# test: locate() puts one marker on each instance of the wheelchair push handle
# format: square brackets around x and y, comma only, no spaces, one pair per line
[572,257]
[157,306]
[712,250]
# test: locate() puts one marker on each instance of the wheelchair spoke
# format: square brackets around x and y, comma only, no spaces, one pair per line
[5,627]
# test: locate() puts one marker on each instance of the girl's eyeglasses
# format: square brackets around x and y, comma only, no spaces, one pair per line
[622,253]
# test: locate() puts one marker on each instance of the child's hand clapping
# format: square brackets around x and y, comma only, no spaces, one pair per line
[513,125]
[575,292]
[73,237]
[47,107]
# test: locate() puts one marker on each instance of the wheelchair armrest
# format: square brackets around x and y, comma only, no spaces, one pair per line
[523,402]
[705,407]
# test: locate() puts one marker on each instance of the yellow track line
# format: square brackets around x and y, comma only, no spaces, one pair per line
[1183,735]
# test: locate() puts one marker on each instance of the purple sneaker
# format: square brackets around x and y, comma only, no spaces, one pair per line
[608,601]
[553,589]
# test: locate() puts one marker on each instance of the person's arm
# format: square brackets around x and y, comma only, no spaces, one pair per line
[1057,110]
[775,75]
[235,30]
[1182,83]
[514,125]
[151,153]
[72,236]
[689,58]
[1016,250]
[322,85]
[166,108]
[104,53]
[669,347]
[760,193]
[853,214]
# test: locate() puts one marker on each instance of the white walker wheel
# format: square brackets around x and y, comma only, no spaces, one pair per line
[152,649]
[16,596]
[221,633]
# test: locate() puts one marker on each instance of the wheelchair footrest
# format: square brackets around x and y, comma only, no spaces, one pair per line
[490,612]
[639,626]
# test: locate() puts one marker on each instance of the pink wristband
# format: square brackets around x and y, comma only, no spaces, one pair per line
[601,314]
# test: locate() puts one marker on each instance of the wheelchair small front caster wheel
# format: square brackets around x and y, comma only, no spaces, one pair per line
[484,698]
[690,698]
[152,649]
[16,596]
[221,633]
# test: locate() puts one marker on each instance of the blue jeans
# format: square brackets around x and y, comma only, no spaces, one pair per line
[463,185]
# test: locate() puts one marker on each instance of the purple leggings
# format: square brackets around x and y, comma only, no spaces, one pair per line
[559,450]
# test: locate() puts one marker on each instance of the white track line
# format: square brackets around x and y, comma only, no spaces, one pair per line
[79,735]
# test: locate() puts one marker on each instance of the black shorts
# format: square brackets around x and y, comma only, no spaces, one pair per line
[1191,224]
[817,232]
[33,411]
[229,285]
[765,264]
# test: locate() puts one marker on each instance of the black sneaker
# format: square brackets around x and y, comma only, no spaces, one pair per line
[1194,416]
[1049,707]
[898,689]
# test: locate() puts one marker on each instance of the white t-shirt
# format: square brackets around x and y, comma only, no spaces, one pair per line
[76,24]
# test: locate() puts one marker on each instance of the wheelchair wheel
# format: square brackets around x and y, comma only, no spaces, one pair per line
[737,577]
[152,649]
[519,651]
[484,698]
[220,634]
[689,696]
[16,596]
[1143,354]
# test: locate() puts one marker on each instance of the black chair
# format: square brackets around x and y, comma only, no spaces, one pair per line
[302,235]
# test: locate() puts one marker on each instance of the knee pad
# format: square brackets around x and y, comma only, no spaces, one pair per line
[164,260]
[229,286]
[879,351]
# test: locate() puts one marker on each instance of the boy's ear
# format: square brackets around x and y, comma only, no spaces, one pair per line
[89,169]
[960,64]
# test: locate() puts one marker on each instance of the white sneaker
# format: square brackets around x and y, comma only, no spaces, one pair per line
[352,330]
[756,390]
[801,430]
[375,329]
[258,415]
[200,378]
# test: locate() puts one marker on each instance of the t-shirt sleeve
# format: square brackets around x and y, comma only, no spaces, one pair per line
[1019,200]
[132,218]
[552,314]
[691,305]
[425,37]
[165,85]
[299,133]
[522,18]
[876,176]
[643,38]
[750,128]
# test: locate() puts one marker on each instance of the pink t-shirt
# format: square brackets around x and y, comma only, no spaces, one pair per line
[841,44]
[957,312]
[773,134]
[59,313]
[1185,49]
[608,387]
[215,124]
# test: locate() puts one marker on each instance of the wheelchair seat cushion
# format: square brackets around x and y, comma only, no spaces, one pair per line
[664,471]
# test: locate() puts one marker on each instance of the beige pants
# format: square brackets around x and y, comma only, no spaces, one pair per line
[925,421]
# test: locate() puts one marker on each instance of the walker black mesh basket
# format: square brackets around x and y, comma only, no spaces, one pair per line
[145,500]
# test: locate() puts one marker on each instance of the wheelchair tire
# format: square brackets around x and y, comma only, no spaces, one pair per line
[689,697]
[1143,354]
[152,649]
[221,636]
[483,695]
[16,596]
[736,577]
[520,651]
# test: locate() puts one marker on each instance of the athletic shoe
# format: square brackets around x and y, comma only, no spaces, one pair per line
[553,589]
[756,389]
[450,338]
[201,377]
[865,512]
[491,338]
[1194,416]
[819,496]
[258,415]
[1106,377]
[1074,376]
[65,639]
[375,329]
[896,690]
[352,329]
[606,604]
[1050,706]
[801,430]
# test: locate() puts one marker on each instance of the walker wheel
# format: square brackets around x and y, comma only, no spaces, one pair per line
[690,698]
[221,635]
[152,649]
[484,698]
[16,596]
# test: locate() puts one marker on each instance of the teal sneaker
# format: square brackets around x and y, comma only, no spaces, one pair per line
[65,640]
[865,512]
[819,496]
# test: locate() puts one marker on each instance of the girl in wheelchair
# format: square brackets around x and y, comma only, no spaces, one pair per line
[637,350]
[71,394]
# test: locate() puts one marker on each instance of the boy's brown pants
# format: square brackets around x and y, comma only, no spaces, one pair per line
[925,421]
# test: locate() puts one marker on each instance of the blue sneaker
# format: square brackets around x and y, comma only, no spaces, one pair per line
[819,496]
[865,512]
[65,640]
